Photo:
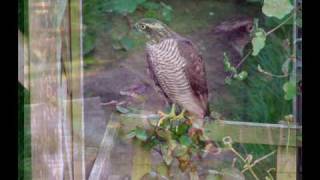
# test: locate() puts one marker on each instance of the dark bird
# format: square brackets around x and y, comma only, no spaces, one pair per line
[176,68]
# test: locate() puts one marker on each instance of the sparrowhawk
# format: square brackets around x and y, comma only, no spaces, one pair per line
[176,67]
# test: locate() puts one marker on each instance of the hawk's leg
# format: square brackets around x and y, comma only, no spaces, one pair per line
[172,115]
[180,116]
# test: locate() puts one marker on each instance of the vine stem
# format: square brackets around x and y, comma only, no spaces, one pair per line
[279,25]
[270,74]
[250,168]
[257,161]
[241,61]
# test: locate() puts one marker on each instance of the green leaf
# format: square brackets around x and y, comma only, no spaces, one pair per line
[241,76]
[141,134]
[131,134]
[185,140]
[227,65]
[180,150]
[227,80]
[277,8]
[289,89]
[151,142]
[258,41]
[182,129]
[166,134]
[166,154]
[151,14]
[127,43]
[122,109]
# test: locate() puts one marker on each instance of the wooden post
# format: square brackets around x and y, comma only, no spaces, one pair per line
[55,85]
[286,163]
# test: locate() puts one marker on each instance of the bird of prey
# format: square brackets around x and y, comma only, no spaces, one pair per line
[176,68]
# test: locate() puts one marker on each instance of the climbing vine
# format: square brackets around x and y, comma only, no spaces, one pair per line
[282,10]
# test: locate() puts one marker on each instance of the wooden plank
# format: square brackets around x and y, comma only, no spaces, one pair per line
[94,121]
[286,163]
[101,167]
[255,133]
[95,127]
[77,88]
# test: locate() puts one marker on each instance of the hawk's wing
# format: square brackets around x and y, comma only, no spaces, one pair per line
[195,72]
[155,79]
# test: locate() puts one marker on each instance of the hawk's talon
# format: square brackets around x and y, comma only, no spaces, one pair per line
[171,116]
[180,116]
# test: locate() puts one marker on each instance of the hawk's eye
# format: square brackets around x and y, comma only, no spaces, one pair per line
[143,27]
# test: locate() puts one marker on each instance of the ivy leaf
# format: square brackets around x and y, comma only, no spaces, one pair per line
[164,134]
[141,134]
[258,41]
[185,140]
[241,76]
[182,129]
[277,8]
[132,134]
[122,109]
[289,89]
[153,141]
[227,65]
[227,80]
[180,150]
[166,154]
[151,14]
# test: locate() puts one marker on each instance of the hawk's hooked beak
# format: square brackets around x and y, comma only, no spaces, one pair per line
[136,27]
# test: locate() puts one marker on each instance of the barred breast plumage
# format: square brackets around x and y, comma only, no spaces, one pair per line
[168,66]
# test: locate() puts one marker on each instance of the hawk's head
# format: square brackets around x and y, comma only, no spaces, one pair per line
[154,29]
